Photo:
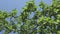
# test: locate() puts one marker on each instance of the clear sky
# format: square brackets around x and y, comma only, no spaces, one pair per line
[8,5]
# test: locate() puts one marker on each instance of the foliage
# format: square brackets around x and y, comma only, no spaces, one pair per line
[45,21]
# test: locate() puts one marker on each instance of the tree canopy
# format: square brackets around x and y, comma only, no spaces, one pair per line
[45,21]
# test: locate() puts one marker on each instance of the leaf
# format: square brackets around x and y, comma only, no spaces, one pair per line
[14,12]
[58,32]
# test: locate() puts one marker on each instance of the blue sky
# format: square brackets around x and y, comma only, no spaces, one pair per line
[11,4]
[8,5]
